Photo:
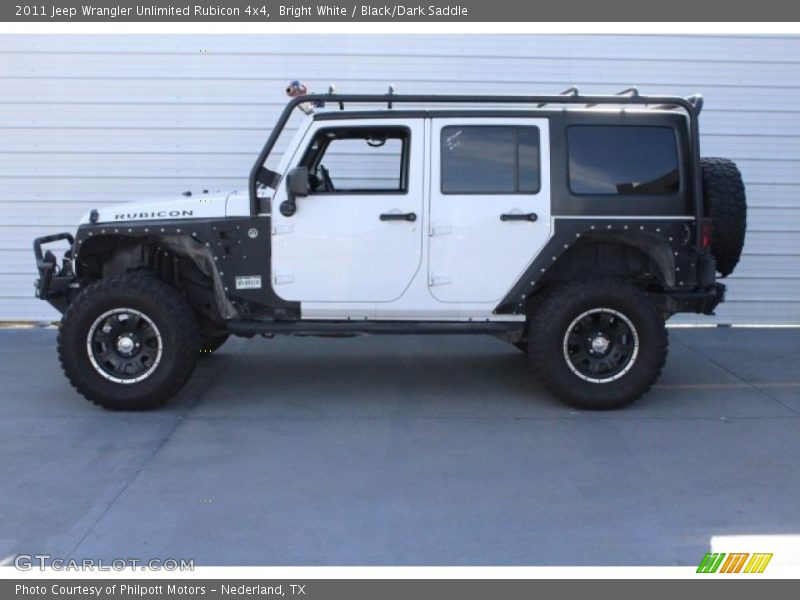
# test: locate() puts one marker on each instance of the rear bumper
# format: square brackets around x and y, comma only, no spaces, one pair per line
[56,284]
[702,301]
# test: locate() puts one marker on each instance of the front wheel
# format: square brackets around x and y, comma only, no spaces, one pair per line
[128,342]
[597,345]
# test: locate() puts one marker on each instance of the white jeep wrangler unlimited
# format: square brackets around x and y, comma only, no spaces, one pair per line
[572,226]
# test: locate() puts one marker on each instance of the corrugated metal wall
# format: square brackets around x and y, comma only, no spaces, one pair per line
[91,120]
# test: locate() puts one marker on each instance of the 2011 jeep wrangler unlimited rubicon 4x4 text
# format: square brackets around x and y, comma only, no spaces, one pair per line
[572,226]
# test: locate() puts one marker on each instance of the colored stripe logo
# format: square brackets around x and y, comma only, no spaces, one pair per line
[734,562]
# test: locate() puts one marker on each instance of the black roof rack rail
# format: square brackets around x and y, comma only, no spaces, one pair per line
[695,99]
[631,92]
[331,92]
[390,94]
[570,91]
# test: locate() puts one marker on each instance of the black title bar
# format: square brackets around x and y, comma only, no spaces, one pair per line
[259,11]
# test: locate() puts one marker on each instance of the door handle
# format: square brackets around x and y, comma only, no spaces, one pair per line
[399,217]
[519,217]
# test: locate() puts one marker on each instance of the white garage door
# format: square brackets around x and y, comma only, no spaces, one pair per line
[91,120]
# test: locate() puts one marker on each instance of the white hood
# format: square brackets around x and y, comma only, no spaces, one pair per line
[197,206]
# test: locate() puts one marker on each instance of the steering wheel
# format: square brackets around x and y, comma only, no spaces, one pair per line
[326,178]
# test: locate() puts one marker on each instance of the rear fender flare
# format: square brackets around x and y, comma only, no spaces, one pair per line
[667,241]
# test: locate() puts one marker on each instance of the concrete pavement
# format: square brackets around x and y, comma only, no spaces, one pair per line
[402,450]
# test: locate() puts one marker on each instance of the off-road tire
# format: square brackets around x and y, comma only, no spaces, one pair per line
[726,203]
[555,315]
[161,304]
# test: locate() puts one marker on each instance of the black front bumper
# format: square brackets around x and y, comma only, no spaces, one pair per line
[56,283]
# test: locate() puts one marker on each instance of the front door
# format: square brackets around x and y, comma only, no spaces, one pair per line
[490,205]
[357,237]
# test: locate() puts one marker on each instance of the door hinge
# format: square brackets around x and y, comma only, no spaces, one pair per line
[279,279]
[439,279]
[280,228]
[441,229]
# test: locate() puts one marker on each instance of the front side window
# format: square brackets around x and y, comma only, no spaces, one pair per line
[622,160]
[490,160]
[358,160]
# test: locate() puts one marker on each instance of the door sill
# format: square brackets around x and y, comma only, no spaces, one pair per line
[252,327]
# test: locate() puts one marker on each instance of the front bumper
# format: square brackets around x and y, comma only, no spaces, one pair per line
[56,284]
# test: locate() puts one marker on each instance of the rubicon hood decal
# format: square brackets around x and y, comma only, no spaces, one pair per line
[155,214]
[194,206]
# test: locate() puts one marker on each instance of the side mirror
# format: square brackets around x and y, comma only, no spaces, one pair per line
[296,187]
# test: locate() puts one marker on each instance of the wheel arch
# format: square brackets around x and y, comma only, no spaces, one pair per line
[644,259]
[176,258]
[618,254]
[657,245]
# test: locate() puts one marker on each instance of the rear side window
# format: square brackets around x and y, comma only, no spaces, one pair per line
[622,160]
[490,160]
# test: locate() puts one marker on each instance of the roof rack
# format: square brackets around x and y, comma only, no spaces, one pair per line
[570,91]
[695,99]
[631,92]
[571,96]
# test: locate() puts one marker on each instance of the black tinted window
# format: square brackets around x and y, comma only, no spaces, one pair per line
[622,160]
[490,160]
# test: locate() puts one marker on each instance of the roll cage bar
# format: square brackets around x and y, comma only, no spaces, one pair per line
[630,96]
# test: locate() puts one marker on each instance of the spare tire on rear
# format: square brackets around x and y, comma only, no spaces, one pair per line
[725,203]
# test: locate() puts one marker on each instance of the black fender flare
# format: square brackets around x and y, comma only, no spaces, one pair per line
[225,249]
[667,241]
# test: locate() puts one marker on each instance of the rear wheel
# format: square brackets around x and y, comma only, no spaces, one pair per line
[128,342]
[597,345]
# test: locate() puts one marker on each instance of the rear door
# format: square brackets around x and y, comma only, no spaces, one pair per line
[490,205]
